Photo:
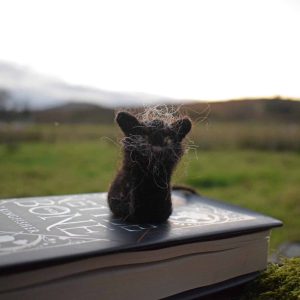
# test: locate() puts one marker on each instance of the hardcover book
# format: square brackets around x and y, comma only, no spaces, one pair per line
[71,247]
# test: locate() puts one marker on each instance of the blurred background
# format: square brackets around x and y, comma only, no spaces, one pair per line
[233,66]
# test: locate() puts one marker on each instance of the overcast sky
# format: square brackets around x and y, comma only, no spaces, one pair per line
[214,49]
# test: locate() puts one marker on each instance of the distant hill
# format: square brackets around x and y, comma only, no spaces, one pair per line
[258,110]
[74,113]
[29,96]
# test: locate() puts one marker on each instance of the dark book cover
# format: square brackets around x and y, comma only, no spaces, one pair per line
[41,231]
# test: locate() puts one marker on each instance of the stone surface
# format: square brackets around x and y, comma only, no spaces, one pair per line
[289,250]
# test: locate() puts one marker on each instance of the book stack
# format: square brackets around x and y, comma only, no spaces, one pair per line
[71,247]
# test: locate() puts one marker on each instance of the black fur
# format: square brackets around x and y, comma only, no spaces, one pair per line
[141,191]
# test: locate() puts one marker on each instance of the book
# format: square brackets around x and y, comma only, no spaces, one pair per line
[71,247]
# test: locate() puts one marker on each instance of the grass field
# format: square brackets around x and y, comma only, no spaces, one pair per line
[265,181]
[207,135]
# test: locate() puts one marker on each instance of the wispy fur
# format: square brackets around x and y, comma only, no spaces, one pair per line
[152,146]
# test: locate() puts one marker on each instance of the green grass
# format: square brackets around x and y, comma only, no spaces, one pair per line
[266,182]
[62,168]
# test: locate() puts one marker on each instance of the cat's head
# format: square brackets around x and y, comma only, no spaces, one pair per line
[154,138]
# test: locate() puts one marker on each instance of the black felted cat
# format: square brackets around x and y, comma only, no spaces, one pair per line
[141,191]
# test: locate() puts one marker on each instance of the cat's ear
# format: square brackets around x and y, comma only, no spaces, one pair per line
[182,127]
[128,123]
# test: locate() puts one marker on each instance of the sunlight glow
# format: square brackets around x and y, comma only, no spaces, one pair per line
[183,49]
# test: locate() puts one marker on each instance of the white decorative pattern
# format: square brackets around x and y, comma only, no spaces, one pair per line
[204,215]
[34,223]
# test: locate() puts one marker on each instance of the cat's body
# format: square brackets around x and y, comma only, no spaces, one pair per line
[141,191]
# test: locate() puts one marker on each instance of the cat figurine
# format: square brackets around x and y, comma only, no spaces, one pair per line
[141,191]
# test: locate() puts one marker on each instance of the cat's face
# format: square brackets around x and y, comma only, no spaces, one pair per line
[154,138]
